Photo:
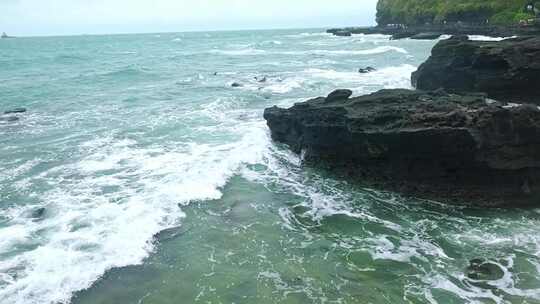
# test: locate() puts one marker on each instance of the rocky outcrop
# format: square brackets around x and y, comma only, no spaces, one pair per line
[338,95]
[426,36]
[366,70]
[9,119]
[422,31]
[15,111]
[431,144]
[506,70]
[343,33]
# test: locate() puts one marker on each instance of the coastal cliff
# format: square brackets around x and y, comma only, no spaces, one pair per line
[505,70]
[420,12]
[429,19]
[430,144]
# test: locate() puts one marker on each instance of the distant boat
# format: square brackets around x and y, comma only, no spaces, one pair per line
[4,35]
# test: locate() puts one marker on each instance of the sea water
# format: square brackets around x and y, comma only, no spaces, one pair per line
[139,175]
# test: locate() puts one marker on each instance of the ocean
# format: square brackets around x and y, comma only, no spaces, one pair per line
[139,175]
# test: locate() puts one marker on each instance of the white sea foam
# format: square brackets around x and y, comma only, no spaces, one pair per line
[404,242]
[104,209]
[383,49]
[95,222]
[240,52]
[487,38]
[372,51]
[309,35]
[22,168]
[249,51]
[284,86]
[389,77]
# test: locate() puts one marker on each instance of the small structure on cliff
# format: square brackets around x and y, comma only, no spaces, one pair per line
[5,36]
[531,8]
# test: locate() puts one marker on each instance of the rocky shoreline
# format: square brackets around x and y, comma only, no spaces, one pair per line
[506,70]
[454,147]
[435,31]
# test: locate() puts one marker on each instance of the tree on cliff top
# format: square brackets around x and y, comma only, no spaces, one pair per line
[413,12]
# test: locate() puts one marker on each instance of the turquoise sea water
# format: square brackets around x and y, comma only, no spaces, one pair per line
[139,175]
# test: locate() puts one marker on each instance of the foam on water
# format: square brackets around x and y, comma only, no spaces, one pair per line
[310,35]
[487,38]
[405,237]
[389,77]
[104,210]
[372,51]
[240,52]
[253,51]
[105,202]
[403,243]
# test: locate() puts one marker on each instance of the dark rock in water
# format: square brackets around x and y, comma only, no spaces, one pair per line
[261,80]
[16,110]
[10,119]
[367,70]
[38,213]
[236,85]
[170,233]
[402,35]
[426,36]
[482,270]
[506,70]
[343,33]
[430,144]
[402,31]
[339,95]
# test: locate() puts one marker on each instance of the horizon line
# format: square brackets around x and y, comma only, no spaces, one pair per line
[181,31]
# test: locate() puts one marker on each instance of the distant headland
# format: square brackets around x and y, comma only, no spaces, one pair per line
[416,18]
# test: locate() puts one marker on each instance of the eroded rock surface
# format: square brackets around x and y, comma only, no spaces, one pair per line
[433,144]
[506,70]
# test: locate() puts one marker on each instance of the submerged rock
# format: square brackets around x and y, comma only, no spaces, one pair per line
[339,95]
[506,70]
[432,144]
[9,118]
[16,110]
[38,213]
[367,70]
[402,31]
[236,85]
[402,34]
[426,36]
[261,79]
[343,33]
[482,270]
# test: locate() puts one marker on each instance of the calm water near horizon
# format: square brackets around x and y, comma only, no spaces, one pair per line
[139,175]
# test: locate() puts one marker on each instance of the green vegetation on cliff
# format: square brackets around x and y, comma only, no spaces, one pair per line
[413,12]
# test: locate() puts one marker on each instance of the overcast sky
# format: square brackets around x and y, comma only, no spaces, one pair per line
[61,17]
